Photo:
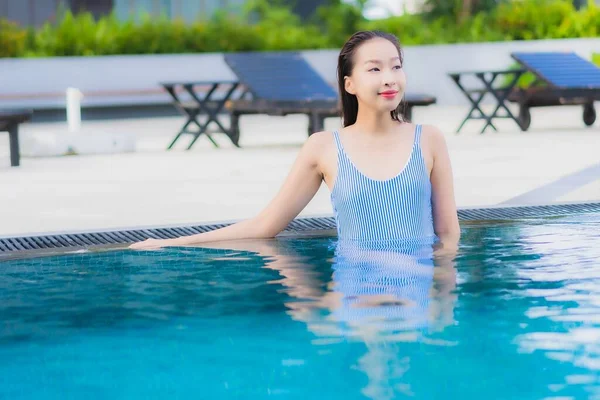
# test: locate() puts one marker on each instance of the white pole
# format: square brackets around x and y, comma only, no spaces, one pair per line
[74,97]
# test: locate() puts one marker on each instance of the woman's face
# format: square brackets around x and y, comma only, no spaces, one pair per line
[377,78]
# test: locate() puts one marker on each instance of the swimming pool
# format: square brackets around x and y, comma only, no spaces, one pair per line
[516,314]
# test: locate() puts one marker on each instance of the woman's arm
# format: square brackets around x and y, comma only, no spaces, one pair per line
[445,216]
[300,186]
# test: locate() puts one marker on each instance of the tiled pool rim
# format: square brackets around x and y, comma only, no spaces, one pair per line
[302,226]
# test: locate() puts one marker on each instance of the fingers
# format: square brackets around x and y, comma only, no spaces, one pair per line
[148,244]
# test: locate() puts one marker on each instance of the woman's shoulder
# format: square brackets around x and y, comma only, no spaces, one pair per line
[318,145]
[321,140]
[431,132]
[432,137]
[432,143]
[322,149]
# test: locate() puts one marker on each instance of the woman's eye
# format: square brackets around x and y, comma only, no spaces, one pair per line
[398,67]
[374,69]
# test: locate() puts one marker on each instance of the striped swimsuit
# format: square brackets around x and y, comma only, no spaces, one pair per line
[369,210]
[386,290]
[385,232]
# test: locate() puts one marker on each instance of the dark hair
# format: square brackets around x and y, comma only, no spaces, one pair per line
[345,66]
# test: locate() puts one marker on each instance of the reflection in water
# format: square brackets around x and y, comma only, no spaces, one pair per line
[564,287]
[514,314]
[381,294]
[544,283]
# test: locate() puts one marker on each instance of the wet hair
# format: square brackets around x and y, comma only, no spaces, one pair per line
[345,66]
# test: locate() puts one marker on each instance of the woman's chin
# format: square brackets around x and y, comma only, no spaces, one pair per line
[389,108]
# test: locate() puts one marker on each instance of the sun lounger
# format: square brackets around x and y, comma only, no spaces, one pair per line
[562,78]
[283,83]
[9,122]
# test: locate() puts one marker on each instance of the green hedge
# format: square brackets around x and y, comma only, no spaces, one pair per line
[12,40]
[276,28]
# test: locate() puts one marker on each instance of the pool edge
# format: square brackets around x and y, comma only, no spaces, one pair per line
[305,226]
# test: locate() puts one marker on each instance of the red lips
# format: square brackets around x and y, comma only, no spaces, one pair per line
[389,93]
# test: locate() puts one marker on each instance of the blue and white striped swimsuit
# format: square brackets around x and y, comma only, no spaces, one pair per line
[369,210]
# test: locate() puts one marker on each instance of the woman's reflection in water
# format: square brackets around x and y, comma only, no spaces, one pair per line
[380,294]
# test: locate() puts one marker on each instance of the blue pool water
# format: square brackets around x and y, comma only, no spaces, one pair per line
[515,314]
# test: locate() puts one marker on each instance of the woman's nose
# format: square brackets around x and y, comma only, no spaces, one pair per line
[388,78]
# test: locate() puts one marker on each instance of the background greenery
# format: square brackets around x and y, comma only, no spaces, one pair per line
[266,25]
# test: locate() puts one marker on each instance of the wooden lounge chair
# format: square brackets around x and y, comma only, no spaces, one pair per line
[9,122]
[282,83]
[562,78]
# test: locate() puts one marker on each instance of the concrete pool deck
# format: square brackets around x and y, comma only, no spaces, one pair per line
[556,161]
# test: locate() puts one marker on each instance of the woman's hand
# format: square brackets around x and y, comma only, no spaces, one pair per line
[152,244]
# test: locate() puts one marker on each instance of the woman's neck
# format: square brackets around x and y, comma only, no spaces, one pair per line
[372,123]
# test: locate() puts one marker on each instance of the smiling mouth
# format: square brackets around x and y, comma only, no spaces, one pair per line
[388,94]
